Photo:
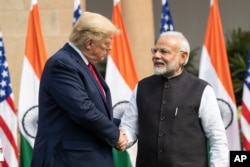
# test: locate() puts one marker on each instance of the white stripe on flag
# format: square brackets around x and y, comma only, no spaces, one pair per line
[122,92]
[28,96]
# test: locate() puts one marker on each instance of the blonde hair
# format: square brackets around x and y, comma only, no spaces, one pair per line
[91,26]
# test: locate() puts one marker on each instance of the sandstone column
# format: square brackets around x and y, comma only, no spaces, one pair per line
[138,18]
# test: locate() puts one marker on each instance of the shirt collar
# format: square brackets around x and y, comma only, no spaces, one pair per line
[79,52]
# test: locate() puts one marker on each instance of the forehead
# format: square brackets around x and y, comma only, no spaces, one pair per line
[108,38]
[170,42]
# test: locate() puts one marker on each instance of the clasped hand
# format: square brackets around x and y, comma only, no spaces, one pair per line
[122,142]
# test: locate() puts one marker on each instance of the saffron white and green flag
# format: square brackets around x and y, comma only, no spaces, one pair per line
[214,68]
[33,63]
[121,77]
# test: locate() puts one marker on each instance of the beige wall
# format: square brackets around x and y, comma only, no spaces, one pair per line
[56,18]
[141,33]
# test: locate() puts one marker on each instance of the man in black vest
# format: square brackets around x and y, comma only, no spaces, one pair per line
[174,114]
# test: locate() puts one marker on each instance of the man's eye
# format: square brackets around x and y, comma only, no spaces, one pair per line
[162,51]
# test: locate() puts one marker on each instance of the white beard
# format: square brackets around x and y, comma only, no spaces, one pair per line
[167,69]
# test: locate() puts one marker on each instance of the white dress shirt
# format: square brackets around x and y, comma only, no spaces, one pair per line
[212,124]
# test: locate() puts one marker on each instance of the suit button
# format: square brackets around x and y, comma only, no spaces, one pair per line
[167,86]
[161,134]
[164,101]
[162,118]
[160,151]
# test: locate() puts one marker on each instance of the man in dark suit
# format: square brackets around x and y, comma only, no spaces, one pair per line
[76,126]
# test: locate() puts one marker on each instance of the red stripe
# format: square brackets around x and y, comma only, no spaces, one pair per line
[5,163]
[245,112]
[246,143]
[11,104]
[9,135]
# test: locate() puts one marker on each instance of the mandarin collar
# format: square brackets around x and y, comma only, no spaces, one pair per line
[174,78]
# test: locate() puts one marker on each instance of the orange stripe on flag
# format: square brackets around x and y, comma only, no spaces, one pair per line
[35,48]
[121,52]
[214,41]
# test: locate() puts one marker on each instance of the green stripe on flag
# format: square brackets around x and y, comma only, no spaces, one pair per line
[25,153]
[121,159]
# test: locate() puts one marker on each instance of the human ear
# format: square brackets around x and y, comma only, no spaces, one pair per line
[184,57]
[88,43]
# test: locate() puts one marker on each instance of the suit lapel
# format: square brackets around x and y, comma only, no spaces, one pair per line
[84,69]
[107,99]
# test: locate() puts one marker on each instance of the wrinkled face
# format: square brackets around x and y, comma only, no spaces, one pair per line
[167,57]
[97,50]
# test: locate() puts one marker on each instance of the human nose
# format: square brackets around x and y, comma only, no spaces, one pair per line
[108,47]
[156,52]
[156,55]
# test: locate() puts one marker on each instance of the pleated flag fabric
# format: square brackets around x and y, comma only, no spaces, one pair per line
[214,68]
[121,77]
[33,63]
[8,114]
[245,112]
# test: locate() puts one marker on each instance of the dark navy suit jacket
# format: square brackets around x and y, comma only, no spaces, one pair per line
[75,125]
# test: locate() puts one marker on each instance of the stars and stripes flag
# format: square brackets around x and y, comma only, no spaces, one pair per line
[33,63]
[8,116]
[214,68]
[77,10]
[245,112]
[121,75]
[166,19]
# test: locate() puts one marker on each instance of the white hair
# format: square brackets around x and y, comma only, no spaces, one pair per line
[184,44]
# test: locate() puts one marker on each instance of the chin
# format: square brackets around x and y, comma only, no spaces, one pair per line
[103,58]
[159,71]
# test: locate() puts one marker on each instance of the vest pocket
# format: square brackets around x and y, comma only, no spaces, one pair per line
[186,117]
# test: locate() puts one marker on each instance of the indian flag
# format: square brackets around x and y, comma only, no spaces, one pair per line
[214,68]
[33,63]
[121,77]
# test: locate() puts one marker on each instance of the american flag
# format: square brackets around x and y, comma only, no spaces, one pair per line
[77,10]
[166,19]
[8,117]
[245,114]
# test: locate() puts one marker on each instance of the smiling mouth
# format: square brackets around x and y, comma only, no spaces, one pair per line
[158,64]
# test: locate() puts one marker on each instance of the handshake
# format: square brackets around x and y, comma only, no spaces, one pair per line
[121,145]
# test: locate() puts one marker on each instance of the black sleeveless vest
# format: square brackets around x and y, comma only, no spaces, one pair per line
[170,132]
